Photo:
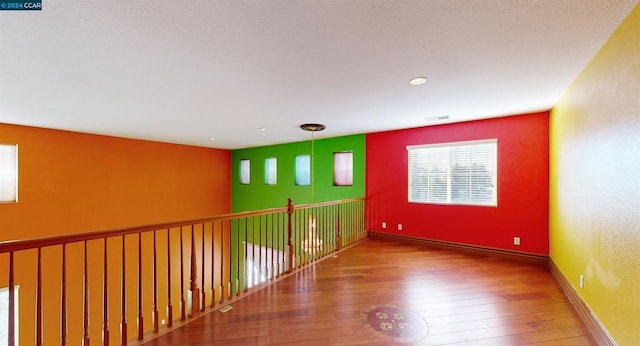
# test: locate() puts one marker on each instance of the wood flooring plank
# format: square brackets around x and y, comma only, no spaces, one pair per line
[463,299]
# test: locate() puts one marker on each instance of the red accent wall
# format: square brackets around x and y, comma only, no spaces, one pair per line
[523,185]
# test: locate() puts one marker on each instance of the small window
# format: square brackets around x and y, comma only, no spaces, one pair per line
[8,173]
[303,170]
[245,172]
[343,168]
[454,173]
[271,171]
[4,314]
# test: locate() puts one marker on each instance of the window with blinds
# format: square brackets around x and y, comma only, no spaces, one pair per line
[8,173]
[454,173]
[343,168]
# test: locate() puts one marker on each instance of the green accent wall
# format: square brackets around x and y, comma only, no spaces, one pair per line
[257,195]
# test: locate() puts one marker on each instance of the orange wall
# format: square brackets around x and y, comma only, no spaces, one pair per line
[71,182]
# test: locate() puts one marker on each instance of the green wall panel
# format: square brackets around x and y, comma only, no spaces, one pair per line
[257,195]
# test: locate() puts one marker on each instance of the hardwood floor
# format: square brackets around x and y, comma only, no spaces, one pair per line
[456,299]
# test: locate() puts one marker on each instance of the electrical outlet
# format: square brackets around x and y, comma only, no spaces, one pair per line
[516,240]
[399,227]
[384,225]
[162,322]
[582,281]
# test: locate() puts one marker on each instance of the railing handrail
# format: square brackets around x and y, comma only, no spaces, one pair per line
[328,203]
[282,241]
[26,244]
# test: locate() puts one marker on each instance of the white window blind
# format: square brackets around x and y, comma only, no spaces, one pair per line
[271,171]
[245,172]
[303,170]
[343,168]
[4,315]
[454,173]
[8,173]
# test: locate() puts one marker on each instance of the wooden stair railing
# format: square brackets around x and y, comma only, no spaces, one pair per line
[241,250]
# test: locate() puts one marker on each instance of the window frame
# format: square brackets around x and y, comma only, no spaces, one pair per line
[271,177]
[13,178]
[245,172]
[298,170]
[480,178]
[4,292]
[348,172]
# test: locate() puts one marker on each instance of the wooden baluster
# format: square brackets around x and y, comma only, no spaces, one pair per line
[63,304]
[273,246]
[318,236]
[213,251]
[346,223]
[39,300]
[253,250]
[358,219]
[123,296]
[182,302]
[12,301]
[105,299]
[229,226]
[193,285]
[260,245]
[325,230]
[204,294]
[221,260]
[281,230]
[303,232]
[338,229]
[321,230]
[289,231]
[309,214]
[238,247]
[85,293]
[246,252]
[331,237]
[140,316]
[350,222]
[363,221]
[169,306]
[156,323]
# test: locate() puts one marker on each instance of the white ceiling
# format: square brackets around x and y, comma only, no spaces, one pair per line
[185,71]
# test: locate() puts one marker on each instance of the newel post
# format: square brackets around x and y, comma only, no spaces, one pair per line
[289,229]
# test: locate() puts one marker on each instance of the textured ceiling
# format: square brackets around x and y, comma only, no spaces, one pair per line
[185,71]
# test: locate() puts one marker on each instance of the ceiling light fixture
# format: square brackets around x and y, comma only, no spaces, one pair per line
[212,138]
[436,118]
[313,244]
[262,129]
[417,80]
[312,127]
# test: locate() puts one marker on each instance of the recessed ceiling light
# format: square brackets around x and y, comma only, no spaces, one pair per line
[262,128]
[212,138]
[418,80]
